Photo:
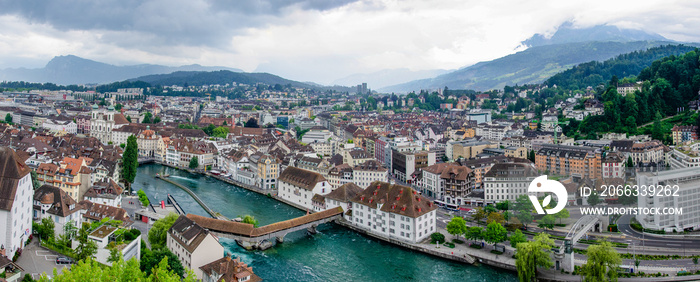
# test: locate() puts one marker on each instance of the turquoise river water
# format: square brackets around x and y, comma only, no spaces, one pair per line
[335,253]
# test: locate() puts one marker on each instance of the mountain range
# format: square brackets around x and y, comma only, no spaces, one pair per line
[545,57]
[387,77]
[71,69]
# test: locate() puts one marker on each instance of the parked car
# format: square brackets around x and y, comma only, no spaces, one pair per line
[63,260]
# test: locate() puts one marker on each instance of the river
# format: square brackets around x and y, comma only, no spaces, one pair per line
[333,254]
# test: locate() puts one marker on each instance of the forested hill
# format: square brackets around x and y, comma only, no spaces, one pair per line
[193,78]
[669,84]
[594,73]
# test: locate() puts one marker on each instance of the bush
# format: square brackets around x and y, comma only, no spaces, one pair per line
[437,237]
[457,241]
[500,253]
[449,245]
[612,227]
[475,246]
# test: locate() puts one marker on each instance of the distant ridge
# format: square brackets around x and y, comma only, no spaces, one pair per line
[71,69]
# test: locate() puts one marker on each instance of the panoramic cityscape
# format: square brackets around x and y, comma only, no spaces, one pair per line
[349,141]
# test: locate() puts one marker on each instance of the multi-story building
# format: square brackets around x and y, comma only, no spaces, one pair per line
[180,152]
[368,172]
[651,153]
[193,245]
[687,181]
[448,182]
[51,202]
[395,212]
[685,156]
[147,142]
[612,165]
[298,186]
[16,194]
[355,156]
[83,124]
[682,134]
[103,122]
[507,181]
[404,164]
[577,161]
[268,171]
[339,175]
[469,149]
[105,192]
[60,126]
[72,176]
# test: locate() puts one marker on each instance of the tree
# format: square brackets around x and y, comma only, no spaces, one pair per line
[156,119]
[114,255]
[524,208]
[602,263]
[479,215]
[8,118]
[118,107]
[86,247]
[35,180]
[147,118]
[490,209]
[630,163]
[437,237]
[157,236]
[130,161]
[91,270]
[46,228]
[495,217]
[503,206]
[562,214]
[531,255]
[153,259]
[495,233]
[250,220]
[594,199]
[128,118]
[475,233]
[252,122]
[547,222]
[70,230]
[457,226]
[194,163]
[221,132]
[517,237]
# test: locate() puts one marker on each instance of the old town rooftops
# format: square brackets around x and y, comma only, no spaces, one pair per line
[301,177]
[394,198]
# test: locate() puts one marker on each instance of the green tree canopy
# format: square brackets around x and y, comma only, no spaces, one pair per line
[221,132]
[562,214]
[157,236]
[194,163]
[531,255]
[250,220]
[517,237]
[457,226]
[594,199]
[252,122]
[154,258]
[130,161]
[479,214]
[603,261]
[547,222]
[475,233]
[523,206]
[8,118]
[495,233]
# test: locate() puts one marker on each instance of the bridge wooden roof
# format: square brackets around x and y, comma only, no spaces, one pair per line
[248,230]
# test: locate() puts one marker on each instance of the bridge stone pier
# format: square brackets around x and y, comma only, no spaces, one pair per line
[264,237]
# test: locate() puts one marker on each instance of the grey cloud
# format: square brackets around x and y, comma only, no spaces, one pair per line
[188,22]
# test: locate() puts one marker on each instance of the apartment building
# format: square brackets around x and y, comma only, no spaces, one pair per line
[16,193]
[577,161]
[298,186]
[268,171]
[193,245]
[53,203]
[405,163]
[507,181]
[370,171]
[682,134]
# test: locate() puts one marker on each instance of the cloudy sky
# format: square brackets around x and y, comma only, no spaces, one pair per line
[311,40]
